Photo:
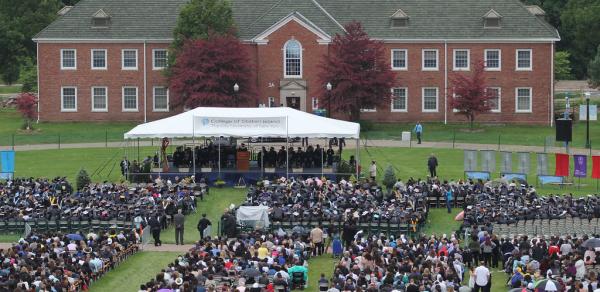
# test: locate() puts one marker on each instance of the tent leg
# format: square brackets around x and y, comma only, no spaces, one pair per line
[220,159]
[262,160]
[287,149]
[322,160]
[357,157]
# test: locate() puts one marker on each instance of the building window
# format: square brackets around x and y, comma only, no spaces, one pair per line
[399,101]
[430,60]
[492,60]
[523,100]
[272,101]
[430,99]
[495,101]
[461,59]
[68,99]
[492,23]
[129,59]
[161,99]
[99,99]
[68,59]
[399,61]
[368,109]
[98,59]
[293,59]
[160,59]
[315,103]
[524,59]
[130,99]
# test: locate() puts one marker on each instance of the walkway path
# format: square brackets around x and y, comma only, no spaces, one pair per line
[350,145]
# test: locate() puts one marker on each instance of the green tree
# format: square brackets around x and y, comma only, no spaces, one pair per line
[389,177]
[580,22]
[594,70]
[83,179]
[562,66]
[29,76]
[199,17]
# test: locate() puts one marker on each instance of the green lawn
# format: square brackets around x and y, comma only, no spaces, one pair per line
[440,222]
[67,132]
[136,270]
[9,89]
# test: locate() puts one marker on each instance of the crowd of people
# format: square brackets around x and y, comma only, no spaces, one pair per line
[63,262]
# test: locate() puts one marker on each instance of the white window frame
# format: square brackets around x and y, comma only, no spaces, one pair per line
[99,110]
[137,99]
[285,75]
[517,68]
[437,100]
[62,99]
[105,59]
[405,59]
[62,67]
[517,110]
[123,59]
[468,60]
[437,60]
[499,110]
[368,110]
[154,109]
[271,101]
[314,101]
[485,58]
[154,58]
[392,109]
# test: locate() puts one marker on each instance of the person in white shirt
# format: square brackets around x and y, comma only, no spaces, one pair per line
[373,170]
[482,278]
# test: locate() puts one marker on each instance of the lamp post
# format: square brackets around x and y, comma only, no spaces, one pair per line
[329,87]
[236,88]
[587,120]
[567,117]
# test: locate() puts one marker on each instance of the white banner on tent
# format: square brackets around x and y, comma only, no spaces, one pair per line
[263,126]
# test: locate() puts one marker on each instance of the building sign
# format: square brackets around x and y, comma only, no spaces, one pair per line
[240,126]
[593,112]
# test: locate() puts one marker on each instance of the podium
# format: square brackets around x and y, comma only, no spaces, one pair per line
[243,160]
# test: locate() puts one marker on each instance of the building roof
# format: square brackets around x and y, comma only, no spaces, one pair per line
[429,19]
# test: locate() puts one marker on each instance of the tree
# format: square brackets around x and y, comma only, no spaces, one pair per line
[27,106]
[357,68]
[205,72]
[199,18]
[562,66]
[389,177]
[469,95]
[83,179]
[29,77]
[594,70]
[580,22]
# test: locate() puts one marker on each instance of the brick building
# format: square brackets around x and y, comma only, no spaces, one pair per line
[104,59]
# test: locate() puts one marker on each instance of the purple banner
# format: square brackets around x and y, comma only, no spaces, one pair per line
[580,162]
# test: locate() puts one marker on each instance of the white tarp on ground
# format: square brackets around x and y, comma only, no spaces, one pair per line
[255,216]
[245,122]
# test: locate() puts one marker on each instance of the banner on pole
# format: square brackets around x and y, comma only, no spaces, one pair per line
[562,165]
[506,166]
[488,160]
[542,164]
[7,164]
[580,166]
[470,160]
[524,162]
[596,167]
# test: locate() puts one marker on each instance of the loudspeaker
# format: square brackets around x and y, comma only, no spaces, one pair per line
[564,130]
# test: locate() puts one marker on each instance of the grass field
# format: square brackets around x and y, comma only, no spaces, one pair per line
[9,89]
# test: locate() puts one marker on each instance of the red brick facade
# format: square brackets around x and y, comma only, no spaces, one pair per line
[267,59]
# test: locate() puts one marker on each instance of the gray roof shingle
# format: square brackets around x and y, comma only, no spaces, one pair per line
[428,19]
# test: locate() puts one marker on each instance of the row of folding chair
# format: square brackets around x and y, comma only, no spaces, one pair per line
[549,227]
[440,202]
[63,225]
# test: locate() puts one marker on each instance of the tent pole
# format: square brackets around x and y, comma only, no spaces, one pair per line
[287,149]
[194,148]
[322,160]
[357,157]
[219,158]
[262,160]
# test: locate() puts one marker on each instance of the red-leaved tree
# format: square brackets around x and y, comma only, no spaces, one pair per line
[27,106]
[468,94]
[206,71]
[358,71]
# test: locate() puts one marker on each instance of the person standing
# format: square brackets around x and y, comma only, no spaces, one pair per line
[432,164]
[482,278]
[179,221]
[449,198]
[419,131]
[155,228]
[373,170]
[124,167]
[203,225]
[316,237]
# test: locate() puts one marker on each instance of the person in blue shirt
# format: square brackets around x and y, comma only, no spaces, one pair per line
[419,131]
[449,198]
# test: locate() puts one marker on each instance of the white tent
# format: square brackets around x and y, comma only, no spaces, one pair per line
[255,216]
[245,123]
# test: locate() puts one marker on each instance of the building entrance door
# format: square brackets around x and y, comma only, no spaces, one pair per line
[293,102]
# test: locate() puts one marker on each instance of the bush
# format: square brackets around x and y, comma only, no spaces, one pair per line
[366,126]
[83,179]
[389,177]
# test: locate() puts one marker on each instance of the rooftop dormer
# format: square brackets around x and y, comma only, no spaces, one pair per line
[492,19]
[100,19]
[399,19]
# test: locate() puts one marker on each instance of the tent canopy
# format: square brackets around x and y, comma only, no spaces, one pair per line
[245,122]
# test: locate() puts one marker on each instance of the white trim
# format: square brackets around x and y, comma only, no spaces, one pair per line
[105,59]
[468,68]
[499,110]
[262,37]
[368,110]
[312,102]
[445,83]
[493,41]
[517,110]
[123,60]
[437,100]
[110,41]
[285,75]
[37,64]
[62,100]
[154,109]
[530,68]
[405,68]
[437,60]
[405,101]
[551,97]
[100,110]
[269,100]
[137,97]
[485,58]
[154,59]
[329,15]
[62,59]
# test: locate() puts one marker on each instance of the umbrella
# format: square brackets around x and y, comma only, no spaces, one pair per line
[74,236]
[546,285]
[592,243]
[460,216]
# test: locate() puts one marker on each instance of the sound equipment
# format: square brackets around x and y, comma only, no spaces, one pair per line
[564,130]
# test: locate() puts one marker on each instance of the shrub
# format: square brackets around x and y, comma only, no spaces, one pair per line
[389,177]
[83,179]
